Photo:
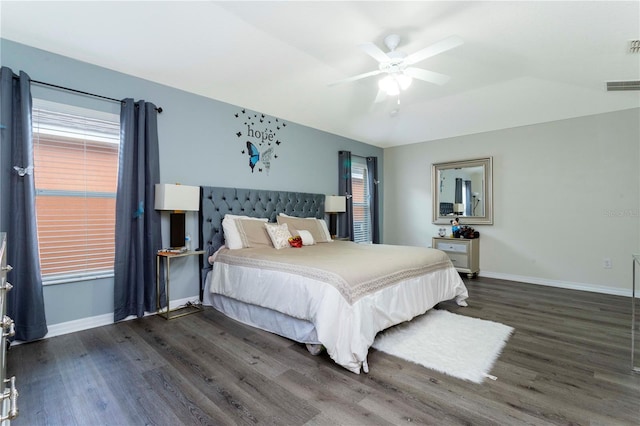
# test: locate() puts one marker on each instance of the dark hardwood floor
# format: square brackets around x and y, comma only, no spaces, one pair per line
[568,362]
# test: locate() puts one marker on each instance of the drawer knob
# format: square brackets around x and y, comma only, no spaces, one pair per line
[7,322]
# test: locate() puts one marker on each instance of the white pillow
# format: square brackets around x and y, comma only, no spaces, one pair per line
[279,235]
[232,237]
[307,238]
[321,222]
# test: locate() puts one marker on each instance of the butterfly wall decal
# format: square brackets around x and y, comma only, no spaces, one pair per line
[255,156]
[22,171]
[261,145]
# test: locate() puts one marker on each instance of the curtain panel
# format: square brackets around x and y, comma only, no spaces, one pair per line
[345,223]
[458,193]
[138,232]
[372,167]
[25,302]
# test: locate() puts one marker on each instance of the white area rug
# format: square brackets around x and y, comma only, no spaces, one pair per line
[453,344]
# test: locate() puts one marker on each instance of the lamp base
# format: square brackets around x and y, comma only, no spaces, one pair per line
[177,230]
[333,224]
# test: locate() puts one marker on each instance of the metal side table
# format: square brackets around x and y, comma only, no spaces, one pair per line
[181,311]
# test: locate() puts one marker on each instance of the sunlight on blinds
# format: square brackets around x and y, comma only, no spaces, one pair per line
[75,170]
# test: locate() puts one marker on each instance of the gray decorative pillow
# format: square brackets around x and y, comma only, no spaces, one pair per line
[253,233]
[231,235]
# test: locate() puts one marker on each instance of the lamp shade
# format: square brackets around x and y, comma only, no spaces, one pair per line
[458,208]
[177,197]
[335,204]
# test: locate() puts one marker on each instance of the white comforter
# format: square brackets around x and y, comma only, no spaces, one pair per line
[345,328]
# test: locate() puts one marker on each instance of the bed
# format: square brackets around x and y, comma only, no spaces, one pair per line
[335,295]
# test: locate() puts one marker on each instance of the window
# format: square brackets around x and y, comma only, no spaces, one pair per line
[75,171]
[361,201]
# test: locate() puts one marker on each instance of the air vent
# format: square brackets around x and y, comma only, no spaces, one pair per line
[623,85]
[634,46]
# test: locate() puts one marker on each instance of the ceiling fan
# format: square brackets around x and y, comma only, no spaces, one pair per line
[397,65]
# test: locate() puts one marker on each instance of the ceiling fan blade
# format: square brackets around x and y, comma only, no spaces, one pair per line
[434,49]
[429,76]
[356,77]
[374,51]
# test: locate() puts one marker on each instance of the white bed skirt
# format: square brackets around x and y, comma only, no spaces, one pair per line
[266,319]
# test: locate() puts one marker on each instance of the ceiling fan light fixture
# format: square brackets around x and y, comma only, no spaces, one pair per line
[389,85]
[392,84]
[404,81]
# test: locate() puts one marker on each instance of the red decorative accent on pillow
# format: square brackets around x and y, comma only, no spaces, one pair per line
[295,241]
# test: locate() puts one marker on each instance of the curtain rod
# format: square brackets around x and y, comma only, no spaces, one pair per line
[159,109]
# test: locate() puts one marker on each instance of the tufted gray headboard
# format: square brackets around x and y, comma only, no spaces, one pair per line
[215,202]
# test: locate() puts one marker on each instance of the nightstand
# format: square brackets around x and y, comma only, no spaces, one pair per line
[167,256]
[463,252]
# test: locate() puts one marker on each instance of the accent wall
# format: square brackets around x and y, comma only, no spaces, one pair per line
[199,145]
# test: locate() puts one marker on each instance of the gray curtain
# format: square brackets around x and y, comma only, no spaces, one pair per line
[345,222]
[458,193]
[138,233]
[372,167]
[25,302]
[467,191]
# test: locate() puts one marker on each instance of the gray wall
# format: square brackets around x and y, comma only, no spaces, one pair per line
[566,196]
[198,146]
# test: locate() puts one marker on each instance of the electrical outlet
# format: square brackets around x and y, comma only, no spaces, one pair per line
[606,263]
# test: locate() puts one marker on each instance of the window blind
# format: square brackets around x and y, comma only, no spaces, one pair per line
[75,171]
[361,210]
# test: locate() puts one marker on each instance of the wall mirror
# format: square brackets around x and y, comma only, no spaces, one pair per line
[463,189]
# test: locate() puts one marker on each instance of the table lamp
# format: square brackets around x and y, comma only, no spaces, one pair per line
[334,204]
[178,199]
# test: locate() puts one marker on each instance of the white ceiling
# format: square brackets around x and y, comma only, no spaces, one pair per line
[521,63]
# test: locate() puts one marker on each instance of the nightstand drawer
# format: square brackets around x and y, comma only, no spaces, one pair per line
[455,247]
[463,252]
[459,260]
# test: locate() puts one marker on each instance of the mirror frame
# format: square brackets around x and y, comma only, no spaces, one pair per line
[487,190]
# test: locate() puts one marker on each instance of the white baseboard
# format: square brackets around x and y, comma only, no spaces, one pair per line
[98,321]
[560,284]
